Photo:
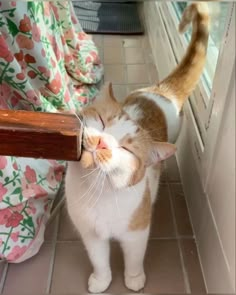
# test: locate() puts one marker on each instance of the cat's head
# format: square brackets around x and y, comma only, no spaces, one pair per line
[116,142]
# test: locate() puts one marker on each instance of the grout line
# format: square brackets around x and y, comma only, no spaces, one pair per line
[52,260]
[3,278]
[184,270]
[172,238]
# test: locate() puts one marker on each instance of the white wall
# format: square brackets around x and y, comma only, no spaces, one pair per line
[212,209]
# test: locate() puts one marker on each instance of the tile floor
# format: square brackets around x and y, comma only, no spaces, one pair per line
[172,265]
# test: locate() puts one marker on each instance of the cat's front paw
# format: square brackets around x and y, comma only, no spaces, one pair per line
[135,283]
[98,284]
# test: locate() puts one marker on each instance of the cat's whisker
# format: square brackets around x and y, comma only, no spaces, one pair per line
[98,198]
[93,170]
[91,186]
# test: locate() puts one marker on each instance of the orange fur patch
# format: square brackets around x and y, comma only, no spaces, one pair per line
[103,155]
[142,215]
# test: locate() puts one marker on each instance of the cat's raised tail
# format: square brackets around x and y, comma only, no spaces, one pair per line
[182,81]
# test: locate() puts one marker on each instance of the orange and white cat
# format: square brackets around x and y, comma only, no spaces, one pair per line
[110,192]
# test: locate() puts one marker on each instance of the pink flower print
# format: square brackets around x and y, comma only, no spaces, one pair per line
[20,76]
[55,10]
[14,220]
[1,241]
[25,25]
[53,62]
[19,56]
[33,97]
[39,191]
[69,34]
[15,166]
[55,85]
[5,91]
[74,19]
[51,177]
[3,162]
[27,190]
[14,101]
[4,215]
[5,53]
[24,42]
[15,236]
[30,209]
[36,33]
[32,190]
[13,3]
[31,74]
[16,252]
[3,191]
[67,96]
[44,71]
[29,59]
[30,174]
[46,8]
[68,58]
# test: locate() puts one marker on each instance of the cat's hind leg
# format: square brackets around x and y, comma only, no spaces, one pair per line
[134,247]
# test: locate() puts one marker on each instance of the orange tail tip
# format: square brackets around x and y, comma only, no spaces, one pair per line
[182,81]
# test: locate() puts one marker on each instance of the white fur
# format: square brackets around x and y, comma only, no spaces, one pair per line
[171,111]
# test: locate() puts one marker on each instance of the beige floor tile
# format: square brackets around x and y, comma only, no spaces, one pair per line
[193,267]
[113,55]
[2,265]
[117,265]
[72,263]
[120,91]
[163,268]
[181,211]
[133,87]
[98,40]
[152,73]
[137,74]
[172,170]
[67,231]
[115,74]
[162,220]
[148,57]
[134,55]
[112,41]
[30,276]
[132,41]
[101,53]
[71,269]
[50,230]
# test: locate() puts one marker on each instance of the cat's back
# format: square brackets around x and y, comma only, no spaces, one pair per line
[156,114]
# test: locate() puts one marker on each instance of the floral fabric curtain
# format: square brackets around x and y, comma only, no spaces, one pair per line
[47,64]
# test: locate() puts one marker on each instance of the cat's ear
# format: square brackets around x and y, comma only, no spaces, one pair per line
[160,151]
[107,93]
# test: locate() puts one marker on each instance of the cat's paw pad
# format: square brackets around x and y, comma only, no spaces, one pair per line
[135,283]
[98,284]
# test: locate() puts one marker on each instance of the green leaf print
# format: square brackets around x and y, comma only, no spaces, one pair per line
[16,191]
[28,221]
[12,27]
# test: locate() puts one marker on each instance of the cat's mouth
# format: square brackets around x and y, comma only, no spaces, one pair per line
[98,158]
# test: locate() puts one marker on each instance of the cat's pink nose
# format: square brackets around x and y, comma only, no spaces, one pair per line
[101,144]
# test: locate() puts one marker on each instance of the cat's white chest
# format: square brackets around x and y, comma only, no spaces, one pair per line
[109,212]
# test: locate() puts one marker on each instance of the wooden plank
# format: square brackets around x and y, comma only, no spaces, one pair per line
[40,135]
